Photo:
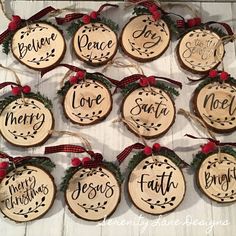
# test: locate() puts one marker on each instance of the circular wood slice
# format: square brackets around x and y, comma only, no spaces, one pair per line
[196,51]
[144,39]
[88,102]
[156,185]
[38,46]
[215,104]
[26,193]
[148,111]
[93,194]
[216,177]
[95,44]
[26,125]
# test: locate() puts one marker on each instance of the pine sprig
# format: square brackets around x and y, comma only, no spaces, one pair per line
[110,23]
[140,11]
[73,28]
[200,156]
[115,170]
[128,88]
[6,44]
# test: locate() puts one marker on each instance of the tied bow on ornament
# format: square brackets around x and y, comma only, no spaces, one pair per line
[16,89]
[190,22]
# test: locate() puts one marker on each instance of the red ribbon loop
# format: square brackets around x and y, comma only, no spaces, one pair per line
[93,163]
[225,25]
[122,156]
[35,17]
[5,84]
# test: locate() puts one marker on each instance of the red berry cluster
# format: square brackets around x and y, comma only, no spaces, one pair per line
[145,81]
[223,75]
[75,162]
[14,24]
[194,22]
[79,76]
[154,11]
[86,19]
[3,169]
[209,147]
[148,150]
[16,90]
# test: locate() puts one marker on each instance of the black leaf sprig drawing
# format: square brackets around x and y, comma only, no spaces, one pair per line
[91,58]
[91,172]
[22,135]
[86,83]
[222,196]
[94,27]
[226,120]
[201,65]
[221,85]
[149,90]
[31,210]
[43,58]
[94,208]
[149,21]
[92,117]
[156,162]
[21,104]
[219,161]
[18,173]
[139,50]
[146,126]
[31,29]
[158,203]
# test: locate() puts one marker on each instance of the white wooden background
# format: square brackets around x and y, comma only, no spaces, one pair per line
[196,212]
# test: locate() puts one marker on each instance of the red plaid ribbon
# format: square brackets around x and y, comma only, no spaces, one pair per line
[96,158]
[76,69]
[35,17]
[5,84]
[216,142]
[203,77]
[74,16]
[122,156]
[133,78]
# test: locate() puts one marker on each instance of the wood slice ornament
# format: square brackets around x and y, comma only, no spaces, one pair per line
[214,102]
[27,192]
[215,174]
[156,184]
[148,108]
[26,121]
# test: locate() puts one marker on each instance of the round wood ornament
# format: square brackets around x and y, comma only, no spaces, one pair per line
[26,193]
[95,43]
[216,177]
[145,39]
[214,102]
[26,123]
[196,51]
[87,102]
[38,45]
[148,111]
[156,185]
[93,193]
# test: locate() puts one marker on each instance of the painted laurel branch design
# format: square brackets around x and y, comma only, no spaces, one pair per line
[216,161]
[31,29]
[18,173]
[219,121]
[19,105]
[22,135]
[94,208]
[150,91]
[31,209]
[146,126]
[155,162]
[94,27]
[138,49]
[92,58]
[87,83]
[221,85]
[149,21]
[202,65]
[91,172]
[92,117]
[43,58]
[152,204]
[224,196]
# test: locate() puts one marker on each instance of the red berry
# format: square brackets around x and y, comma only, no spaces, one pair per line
[75,162]
[16,90]
[213,73]
[151,80]
[94,15]
[152,8]
[4,165]
[191,22]
[86,19]
[156,147]
[209,147]
[3,173]
[156,15]
[80,74]
[73,79]
[147,151]
[16,19]
[85,159]
[26,89]
[12,26]
[143,82]
[198,20]
[224,75]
